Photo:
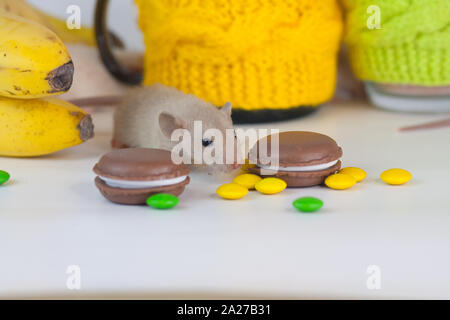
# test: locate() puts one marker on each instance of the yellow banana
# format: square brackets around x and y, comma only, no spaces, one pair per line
[42,126]
[22,8]
[34,62]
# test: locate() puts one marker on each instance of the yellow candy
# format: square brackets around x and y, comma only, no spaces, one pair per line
[231,191]
[357,173]
[270,185]
[396,176]
[247,180]
[340,181]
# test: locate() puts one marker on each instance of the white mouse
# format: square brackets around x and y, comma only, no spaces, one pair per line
[147,117]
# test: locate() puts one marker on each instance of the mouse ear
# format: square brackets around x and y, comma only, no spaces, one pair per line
[227,108]
[169,123]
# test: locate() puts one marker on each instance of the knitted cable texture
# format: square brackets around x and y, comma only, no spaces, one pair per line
[255,53]
[411,47]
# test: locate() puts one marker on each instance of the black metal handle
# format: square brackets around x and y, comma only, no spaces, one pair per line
[119,71]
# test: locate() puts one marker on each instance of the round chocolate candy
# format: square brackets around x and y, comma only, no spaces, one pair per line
[162,201]
[396,176]
[307,204]
[4,176]
[231,191]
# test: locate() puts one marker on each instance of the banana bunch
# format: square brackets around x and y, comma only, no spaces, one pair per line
[35,64]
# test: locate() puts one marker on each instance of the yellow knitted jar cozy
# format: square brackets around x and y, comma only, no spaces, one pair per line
[258,54]
[412,45]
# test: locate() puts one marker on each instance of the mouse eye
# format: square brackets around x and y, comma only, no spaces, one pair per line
[206,142]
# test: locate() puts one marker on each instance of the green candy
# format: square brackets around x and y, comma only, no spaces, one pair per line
[307,204]
[4,176]
[162,201]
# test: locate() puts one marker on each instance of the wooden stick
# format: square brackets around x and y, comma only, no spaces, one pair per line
[428,125]
[97,101]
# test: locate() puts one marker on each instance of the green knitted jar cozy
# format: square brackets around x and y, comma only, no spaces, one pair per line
[412,45]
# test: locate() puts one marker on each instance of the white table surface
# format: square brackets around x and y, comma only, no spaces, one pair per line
[52,216]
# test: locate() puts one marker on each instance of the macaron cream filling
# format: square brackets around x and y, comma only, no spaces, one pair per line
[127,184]
[317,167]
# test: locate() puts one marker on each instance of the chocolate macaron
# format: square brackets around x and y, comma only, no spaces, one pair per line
[304,158]
[130,176]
